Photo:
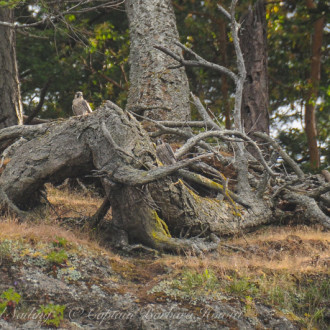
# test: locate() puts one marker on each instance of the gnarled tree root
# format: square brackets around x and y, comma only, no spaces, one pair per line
[313,212]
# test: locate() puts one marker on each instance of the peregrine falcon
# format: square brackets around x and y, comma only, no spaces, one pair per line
[165,153]
[80,106]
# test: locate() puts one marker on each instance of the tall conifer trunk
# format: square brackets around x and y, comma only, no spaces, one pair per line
[156,90]
[10,102]
[253,41]
[314,79]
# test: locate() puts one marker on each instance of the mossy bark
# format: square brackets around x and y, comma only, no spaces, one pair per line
[156,91]
[10,105]
[113,144]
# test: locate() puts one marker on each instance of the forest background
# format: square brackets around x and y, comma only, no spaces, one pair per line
[89,51]
[64,51]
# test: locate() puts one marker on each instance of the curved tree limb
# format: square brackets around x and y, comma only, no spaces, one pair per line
[197,178]
[198,62]
[134,177]
[223,135]
[184,134]
[282,153]
[169,123]
[29,132]
[202,111]
[313,212]
[38,108]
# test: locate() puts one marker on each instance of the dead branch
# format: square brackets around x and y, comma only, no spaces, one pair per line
[313,212]
[282,153]
[134,177]
[210,184]
[28,132]
[320,191]
[202,111]
[182,133]
[38,108]
[169,123]
[35,121]
[196,63]
[223,135]
[53,16]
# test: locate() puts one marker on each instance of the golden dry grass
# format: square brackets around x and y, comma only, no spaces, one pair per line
[70,203]
[274,258]
[35,232]
[290,249]
[280,233]
[273,249]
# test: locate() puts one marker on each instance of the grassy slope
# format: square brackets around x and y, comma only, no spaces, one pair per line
[286,267]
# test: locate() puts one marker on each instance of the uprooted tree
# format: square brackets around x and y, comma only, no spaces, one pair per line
[186,203]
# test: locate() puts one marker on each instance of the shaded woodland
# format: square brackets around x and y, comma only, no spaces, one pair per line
[170,195]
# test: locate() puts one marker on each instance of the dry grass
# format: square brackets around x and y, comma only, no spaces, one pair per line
[68,203]
[289,249]
[272,261]
[39,232]
[281,233]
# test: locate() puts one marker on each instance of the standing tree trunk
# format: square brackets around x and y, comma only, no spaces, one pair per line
[157,91]
[253,41]
[10,99]
[224,80]
[314,79]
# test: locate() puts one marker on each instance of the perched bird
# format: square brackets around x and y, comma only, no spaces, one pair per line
[80,106]
[165,153]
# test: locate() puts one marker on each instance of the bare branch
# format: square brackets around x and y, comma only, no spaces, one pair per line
[170,123]
[202,111]
[282,153]
[37,109]
[320,191]
[224,11]
[17,25]
[223,135]
[14,132]
[134,177]
[182,133]
[240,66]
[198,62]
[313,212]
[51,17]
[197,178]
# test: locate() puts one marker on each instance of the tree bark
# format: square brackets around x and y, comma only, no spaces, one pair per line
[314,79]
[122,154]
[160,206]
[224,80]
[156,90]
[10,105]
[151,204]
[253,42]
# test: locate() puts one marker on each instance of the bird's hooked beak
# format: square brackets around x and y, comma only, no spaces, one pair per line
[78,94]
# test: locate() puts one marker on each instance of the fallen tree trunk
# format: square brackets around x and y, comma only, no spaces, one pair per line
[149,207]
[151,204]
